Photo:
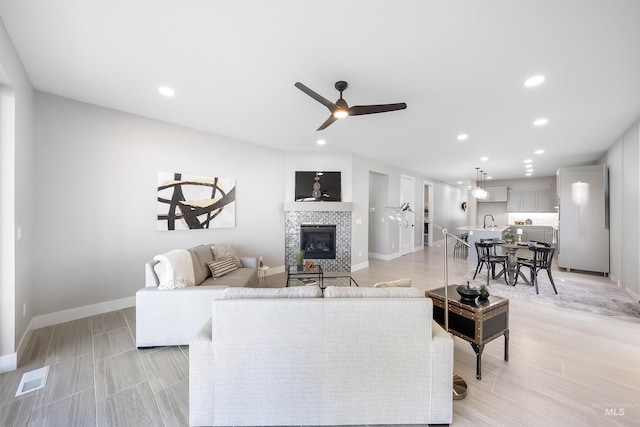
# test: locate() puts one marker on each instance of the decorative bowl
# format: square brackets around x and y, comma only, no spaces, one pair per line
[468,294]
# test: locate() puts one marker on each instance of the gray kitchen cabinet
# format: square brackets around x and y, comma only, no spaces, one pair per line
[528,201]
[513,201]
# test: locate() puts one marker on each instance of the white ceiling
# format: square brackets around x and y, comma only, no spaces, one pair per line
[459,66]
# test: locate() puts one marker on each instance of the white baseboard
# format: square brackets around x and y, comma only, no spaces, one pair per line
[80,312]
[633,294]
[384,257]
[360,266]
[418,248]
[8,362]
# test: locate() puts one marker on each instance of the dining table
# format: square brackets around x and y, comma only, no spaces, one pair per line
[512,261]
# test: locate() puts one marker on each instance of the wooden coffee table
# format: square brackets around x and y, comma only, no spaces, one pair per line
[477,323]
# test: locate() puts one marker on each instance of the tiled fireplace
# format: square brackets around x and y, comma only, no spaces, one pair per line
[295,219]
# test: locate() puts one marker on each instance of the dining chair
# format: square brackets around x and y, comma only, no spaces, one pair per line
[487,256]
[542,259]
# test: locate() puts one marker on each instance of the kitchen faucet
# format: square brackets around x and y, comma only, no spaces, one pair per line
[484,221]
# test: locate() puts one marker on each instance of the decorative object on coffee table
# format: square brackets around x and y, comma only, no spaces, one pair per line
[308,265]
[484,293]
[300,259]
[467,293]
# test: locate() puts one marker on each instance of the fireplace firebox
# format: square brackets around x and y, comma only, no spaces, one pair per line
[318,241]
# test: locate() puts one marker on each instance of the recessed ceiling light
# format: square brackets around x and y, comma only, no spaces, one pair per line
[489,177]
[463,137]
[166,91]
[459,182]
[321,142]
[529,170]
[484,159]
[528,161]
[541,122]
[527,174]
[538,152]
[534,81]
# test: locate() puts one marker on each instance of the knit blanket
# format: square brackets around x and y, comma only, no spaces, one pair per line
[176,269]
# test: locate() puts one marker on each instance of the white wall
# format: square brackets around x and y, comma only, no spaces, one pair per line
[17,207]
[96,199]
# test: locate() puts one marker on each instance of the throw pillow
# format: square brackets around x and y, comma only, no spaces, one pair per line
[400,283]
[220,268]
[222,252]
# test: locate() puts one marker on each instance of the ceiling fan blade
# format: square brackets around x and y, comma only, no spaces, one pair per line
[359,110]
[330,120]
[321,99]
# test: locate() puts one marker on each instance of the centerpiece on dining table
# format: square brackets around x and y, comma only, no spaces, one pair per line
[509,237]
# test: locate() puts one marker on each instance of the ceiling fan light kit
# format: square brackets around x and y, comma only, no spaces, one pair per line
[340,109]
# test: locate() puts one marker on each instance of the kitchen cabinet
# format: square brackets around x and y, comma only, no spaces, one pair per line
[495,194]
[528,201]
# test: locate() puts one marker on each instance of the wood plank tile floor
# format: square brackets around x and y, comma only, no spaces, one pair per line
[566,367]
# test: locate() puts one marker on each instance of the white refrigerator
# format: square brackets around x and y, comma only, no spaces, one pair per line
[583,229]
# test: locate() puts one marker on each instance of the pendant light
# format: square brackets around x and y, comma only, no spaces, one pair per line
[479,192]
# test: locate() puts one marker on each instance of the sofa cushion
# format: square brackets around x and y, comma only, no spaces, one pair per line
[365,292]
[400,283]
[201,257]
[221,252]
[292,292]
[220,268]
[240,277]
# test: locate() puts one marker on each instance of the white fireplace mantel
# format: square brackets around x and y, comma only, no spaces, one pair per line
[318,206]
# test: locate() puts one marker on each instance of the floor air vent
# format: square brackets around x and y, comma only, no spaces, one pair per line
[32,380]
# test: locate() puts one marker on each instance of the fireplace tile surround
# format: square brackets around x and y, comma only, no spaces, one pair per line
[341,219]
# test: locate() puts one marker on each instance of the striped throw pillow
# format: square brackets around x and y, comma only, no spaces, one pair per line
[220,268]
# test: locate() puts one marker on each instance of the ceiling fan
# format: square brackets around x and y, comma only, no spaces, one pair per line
[341,109]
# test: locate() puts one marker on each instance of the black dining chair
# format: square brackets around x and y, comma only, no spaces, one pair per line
[542,259]
[487,256]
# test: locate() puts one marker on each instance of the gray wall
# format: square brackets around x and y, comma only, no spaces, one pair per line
[17,208]
[96,199]
[378,230]
[623,160]
[447,211]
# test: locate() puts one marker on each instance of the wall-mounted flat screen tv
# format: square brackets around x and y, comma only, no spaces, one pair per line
[318,186]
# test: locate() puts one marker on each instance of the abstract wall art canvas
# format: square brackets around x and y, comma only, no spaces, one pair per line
[190,202]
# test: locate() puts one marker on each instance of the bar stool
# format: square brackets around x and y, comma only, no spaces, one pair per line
[460,249]
[542,258]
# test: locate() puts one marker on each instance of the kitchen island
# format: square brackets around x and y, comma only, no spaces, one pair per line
[477,233]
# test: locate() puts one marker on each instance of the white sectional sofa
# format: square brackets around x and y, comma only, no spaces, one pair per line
[173,316]
[293,356]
